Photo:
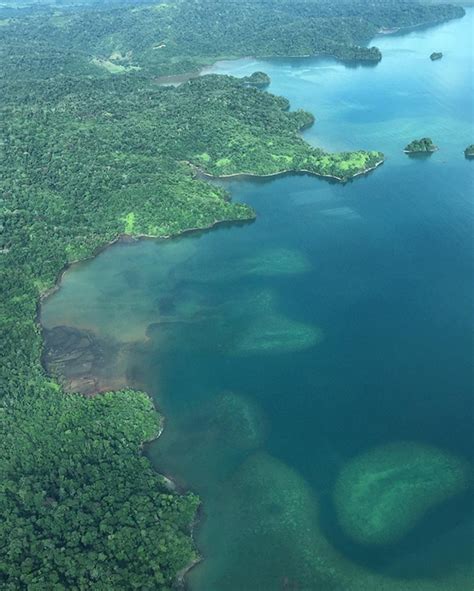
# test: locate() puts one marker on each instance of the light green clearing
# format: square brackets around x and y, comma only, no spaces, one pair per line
[129,220]
[112,67]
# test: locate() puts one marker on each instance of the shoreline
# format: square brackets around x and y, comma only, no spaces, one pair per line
[245,175]
[421,151]
[409,28]
[168,480]
[128,239]
[177,79]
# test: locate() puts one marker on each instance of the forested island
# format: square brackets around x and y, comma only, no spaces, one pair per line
[423,145]
[469,151]
[436,55]
[92,149]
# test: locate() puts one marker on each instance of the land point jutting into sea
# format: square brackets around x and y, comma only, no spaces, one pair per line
[278,396]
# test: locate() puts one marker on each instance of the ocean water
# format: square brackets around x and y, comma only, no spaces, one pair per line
[315,366]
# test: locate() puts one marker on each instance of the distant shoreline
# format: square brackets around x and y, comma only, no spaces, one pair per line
[178,79]
[408,28]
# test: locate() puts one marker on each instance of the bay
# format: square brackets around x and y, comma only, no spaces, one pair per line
[302,360]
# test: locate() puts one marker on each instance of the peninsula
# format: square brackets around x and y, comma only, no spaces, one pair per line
[421,146]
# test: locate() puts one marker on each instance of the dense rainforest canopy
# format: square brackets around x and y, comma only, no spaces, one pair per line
[180,35]
[91,148]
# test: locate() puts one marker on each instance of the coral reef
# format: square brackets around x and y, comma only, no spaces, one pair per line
[380,495]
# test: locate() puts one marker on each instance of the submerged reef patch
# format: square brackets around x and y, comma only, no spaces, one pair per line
[277,261]
[268,509]
[381,495]
[267,262]
[239,421]
[277,334]
[269,331]
[273,512]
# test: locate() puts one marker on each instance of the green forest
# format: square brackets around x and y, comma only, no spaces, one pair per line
[168,37]
[92,148]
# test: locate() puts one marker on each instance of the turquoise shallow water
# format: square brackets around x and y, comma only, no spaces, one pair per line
[315,366]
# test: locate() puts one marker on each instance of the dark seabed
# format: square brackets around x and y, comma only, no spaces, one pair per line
[315,367]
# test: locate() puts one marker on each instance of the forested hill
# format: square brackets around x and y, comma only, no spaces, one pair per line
[180,35]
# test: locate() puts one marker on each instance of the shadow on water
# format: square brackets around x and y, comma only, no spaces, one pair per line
[354,64]
[420,156]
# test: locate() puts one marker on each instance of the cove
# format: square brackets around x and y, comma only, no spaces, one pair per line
[311,362]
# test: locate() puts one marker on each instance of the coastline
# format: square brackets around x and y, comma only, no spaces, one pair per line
[177,79]
[384,32]
[168,480]
[131,238]
[123,237]
[246,175]
[127,238]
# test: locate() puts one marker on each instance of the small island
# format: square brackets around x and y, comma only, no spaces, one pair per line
[436,55]
[469,152]
[258,79]
[421,146]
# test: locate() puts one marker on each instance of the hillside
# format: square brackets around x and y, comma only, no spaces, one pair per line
[166,38]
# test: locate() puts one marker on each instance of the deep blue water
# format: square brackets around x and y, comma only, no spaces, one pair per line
[338,322]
